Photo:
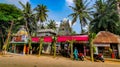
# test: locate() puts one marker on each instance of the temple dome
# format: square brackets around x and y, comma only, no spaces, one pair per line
[22,31]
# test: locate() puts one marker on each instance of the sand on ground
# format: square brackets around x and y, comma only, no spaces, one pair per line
[49,61]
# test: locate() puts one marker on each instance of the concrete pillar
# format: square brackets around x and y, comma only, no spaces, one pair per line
[119,50]
[24,49]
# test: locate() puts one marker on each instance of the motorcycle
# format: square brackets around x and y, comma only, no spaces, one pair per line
[98,57]
[81,56]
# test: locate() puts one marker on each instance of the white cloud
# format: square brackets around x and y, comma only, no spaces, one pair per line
[15,2]
[69,2]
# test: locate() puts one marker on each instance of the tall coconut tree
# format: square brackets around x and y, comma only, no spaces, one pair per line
[81,12]
[105,16]
[28,16]
[41,13]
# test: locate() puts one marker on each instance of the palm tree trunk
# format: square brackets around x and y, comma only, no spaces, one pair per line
[0,43]
[91,50]
[71,47]
[29,36]
[54,49]
[8,38]
[81,25]
[54,44]
[91,36]
[40,46]
[2,37]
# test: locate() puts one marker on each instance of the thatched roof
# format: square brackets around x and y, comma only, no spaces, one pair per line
[106,38]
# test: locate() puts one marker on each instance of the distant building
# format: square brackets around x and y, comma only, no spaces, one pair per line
[64,28]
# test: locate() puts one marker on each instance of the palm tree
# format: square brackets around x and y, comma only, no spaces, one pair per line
[51,24]
[29,19]
[81,12]
[105,17]
[41,13]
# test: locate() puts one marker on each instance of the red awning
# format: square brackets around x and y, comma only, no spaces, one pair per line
[80,38]
[35,39]
[62,38]
[48,39]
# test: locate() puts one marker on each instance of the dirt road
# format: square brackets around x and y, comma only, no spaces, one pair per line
[49,61]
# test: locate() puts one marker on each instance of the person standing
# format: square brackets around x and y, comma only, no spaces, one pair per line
[76,54]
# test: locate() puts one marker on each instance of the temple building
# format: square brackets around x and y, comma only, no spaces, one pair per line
[19,41]
[64,28]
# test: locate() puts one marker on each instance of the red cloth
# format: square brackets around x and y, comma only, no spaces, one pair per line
[80,54]
[99,55]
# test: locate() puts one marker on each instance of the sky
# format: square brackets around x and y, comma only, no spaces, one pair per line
[58,9]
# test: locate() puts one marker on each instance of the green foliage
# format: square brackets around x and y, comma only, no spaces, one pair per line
[105,17]
[51,25]
[9,12]
[41,12]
